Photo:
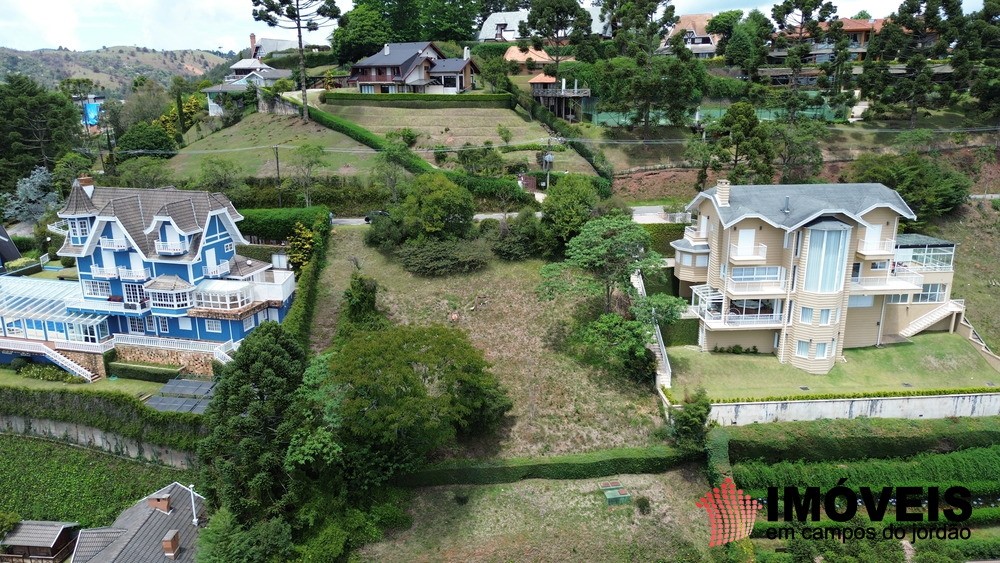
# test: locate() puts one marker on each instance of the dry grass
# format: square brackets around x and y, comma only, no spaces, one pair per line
[560,406]
[543,520]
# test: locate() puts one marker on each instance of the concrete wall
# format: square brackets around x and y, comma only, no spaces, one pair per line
[935,406]
[95,438]
[762,339]
[199,363]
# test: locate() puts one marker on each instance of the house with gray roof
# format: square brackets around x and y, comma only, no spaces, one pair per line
[161,527]
[34,541]
[8,250]
[418,67]
[805,271]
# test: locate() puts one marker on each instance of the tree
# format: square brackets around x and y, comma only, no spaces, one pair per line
[619,346]
[982,41]
[723,24]
[658,308]
[314,446]
[402,16]
[35,195]
[689,422]
[745,145]
[447,20]
[568,206]
[243,456]
[297,14]
[642,24]
[495,70]
[220,174]
[437,208]
[744,49]
[504,133]
[702,155]
[147,101]
[797,146]
[360,32]
[69,167]
[862,15]
[145,172]
[798,26]
[306,159]
[555,22]
[389,169]
[145,139]
[929,186]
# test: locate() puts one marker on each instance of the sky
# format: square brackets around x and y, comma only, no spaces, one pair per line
[226,24]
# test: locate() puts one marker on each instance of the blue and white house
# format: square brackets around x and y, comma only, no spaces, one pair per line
[157,267]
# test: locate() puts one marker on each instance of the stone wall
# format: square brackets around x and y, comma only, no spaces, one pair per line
[198,363]
[93,362]
[96,438]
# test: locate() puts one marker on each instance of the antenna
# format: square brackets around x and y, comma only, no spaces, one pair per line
[194,509]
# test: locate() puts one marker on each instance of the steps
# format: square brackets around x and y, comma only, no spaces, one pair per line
[932,317]
[56,358]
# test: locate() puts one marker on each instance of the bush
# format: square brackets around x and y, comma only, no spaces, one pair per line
[642,503]
[298,321]
[49,373]
[261,252]
[994,203]
[441,258]
[524,238]
[67,261]
[20,263]
[158,374]
[279,224]
[19,363]
[663,234]
[860,395]
[24,244]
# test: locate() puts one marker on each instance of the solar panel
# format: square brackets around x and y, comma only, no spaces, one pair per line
[187,388]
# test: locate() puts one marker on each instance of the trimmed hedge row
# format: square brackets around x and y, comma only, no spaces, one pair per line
[532,147]
[279,223]
[860,438]
[717,447]
[158,374]
[663,234]
[860,395]
[603,463]
[421,100]
[682,332]
[491,49]
[484,186]
[291,62]
[261,252]
[112,412]
[298,321]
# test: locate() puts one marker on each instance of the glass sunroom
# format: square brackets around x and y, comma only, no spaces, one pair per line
[36,310]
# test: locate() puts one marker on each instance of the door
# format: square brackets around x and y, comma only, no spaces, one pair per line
[171,232]
[856,271]
[210,258]
[873,236]
[703,225]
[34,329]
[744,247]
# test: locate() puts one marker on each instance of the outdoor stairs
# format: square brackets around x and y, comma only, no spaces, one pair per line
[934,316]
[56,358]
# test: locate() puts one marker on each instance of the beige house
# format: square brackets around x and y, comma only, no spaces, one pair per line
[804,271]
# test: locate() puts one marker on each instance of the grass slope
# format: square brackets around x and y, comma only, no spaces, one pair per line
[932,361]
[132,387]
[560,406]
[41,480]
[453,127]
[265,130]
[545,520]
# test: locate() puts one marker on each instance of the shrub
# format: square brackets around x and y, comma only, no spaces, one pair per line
[24,244]
[67,261]
[441,258]
[49,373]
[690,420]
[681,332]
[20,263]
[663,234]
[279,224]
[420,100]
[995,204]
[642,503]
[158,374]
[524,238]
[407,136]
[19,363]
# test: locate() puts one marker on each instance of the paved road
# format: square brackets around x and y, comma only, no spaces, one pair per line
[641,214]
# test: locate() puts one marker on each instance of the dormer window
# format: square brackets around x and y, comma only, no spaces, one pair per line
[79,228]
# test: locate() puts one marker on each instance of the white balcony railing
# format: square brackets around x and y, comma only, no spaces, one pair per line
[114,243]
[60,227]
[900,278]
[877,246]
[716,318]
[107,306]
[755,286]
[280,289]
[96,348]
[217,271]
[107,273]
[171,247]
[693,234]
[747,252]
[134,275]
[170,343]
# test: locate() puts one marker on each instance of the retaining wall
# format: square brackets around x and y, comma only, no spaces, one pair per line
[199,363]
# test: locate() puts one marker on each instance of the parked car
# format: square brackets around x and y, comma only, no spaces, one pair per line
[372,215]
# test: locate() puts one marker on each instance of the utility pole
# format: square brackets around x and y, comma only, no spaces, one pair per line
[277,167]
[548,158]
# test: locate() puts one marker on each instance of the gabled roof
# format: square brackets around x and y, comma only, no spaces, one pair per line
[77,203]
[693,22]
[542,78]
[8,250]
[36,533]
[273,73]
[488,31]
[167,283]
[265,46]
[515,54]
[451,65]
[805,202]
[224,88]
[400,54]
[136,536]
[244,64]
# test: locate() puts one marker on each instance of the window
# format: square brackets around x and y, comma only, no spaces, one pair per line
[135,324]
[168,300]
[134,293]
[164,324]
[230,247]
[213,325]
[931,293]
[701,260]
[861,301]
[757,273]
[96,288]
[150,325]
[898,298]
[449,82]
[824,317]
[184,323]
[79,227]
[821,350]
[248,323]
[806,315]
[231,300]
[798,243]
[367,89]
[880,265]
[827,260]
[802,350]
[723,270]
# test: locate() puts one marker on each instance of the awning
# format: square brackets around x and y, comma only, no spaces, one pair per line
[42,300]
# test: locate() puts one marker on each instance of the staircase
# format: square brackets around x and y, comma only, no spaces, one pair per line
[942,312]
[56,358]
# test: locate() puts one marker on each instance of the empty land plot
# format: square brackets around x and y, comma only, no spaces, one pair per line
[249,145]
[548,520]
[453,127]
[560,406]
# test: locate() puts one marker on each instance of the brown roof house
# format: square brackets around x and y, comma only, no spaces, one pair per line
[418,67]
[33,541]
[696,36]
[161,527]
[532,57]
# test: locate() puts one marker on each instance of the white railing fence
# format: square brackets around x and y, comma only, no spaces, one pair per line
[57,358]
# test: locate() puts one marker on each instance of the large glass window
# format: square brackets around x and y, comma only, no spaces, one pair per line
[802,350]
[860,301]
[167,300]
[931,293]
[96,288]
[757,273]
[827,260]
[898,298]
[219,300]
[79,227]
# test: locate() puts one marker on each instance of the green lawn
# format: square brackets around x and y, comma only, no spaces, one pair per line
[548,520]
[42,480]
[132,387]
[249,145]
[932,361]
[65,273]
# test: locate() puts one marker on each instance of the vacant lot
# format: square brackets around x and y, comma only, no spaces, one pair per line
[42,480]
[931,361]
[545,520]
[453,127]
[249,144]
[560,406]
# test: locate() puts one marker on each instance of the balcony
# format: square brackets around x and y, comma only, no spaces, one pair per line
[747,254]
[217,271]
[278,286]
[369,78]
[114,243]
[60,227]
[104,273]
[756,287]
[876,248]
[171,248]
[898,281]
[540,92]
[93,305]
[717,320]
[129,274]
[695,236]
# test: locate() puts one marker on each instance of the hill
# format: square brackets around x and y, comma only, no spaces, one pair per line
[111,67]
[249,144]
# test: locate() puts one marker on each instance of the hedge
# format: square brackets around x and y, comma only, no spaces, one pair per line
[261,252]
[655,459]
[860,395]
[24,244]
[291,62]
[298,321]
[859,438]
[717,450]
[109,411]
[279,223]
[484,186]
[488,50]
[422,100]
[159,374]
[538,147]
[663,234]
[682,332]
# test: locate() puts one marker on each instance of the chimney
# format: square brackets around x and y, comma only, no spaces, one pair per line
[466,53]
[87,183]
[385,49]
[171,544]
[253,43]
[159,502]
[722,193]
[788,208]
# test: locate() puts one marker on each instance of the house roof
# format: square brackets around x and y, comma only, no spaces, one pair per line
[242,267]
[450,65]
[853,25]
[806,202]
[910,240]
[265,46]
[515,54]
[400,54]
[693,22]
[36,533]
[138,210]
[273,73]
[8,250]
[542,79]
[167,283]
[78,203]
[251,64]
[488,31]
[227,87]
[136,536]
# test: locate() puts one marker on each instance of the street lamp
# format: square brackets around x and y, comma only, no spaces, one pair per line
[548,159]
